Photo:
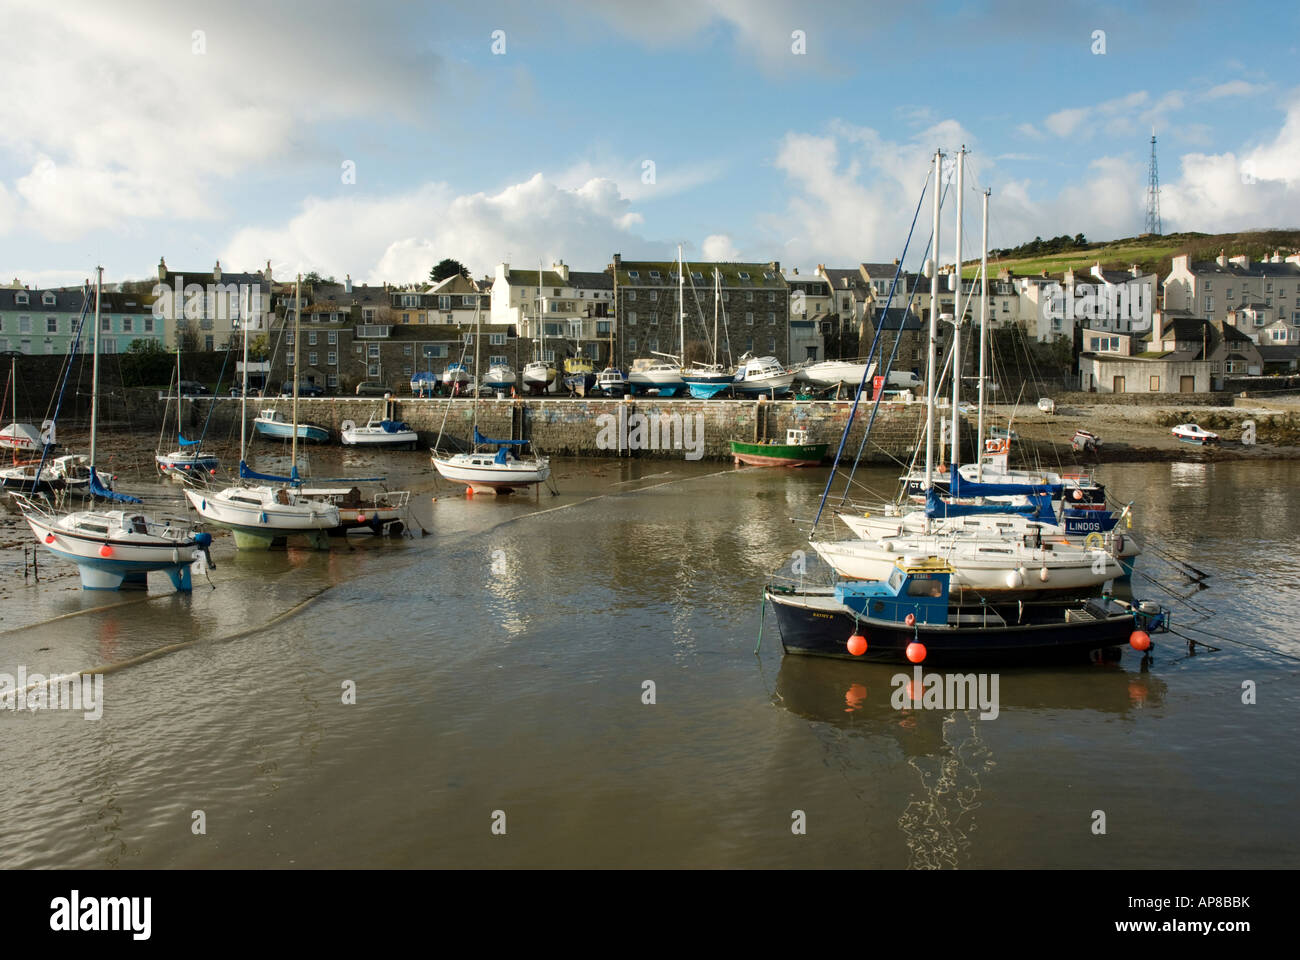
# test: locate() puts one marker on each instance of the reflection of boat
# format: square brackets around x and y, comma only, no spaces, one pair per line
[1191,433]
[795,452]
[910,617]
[273,423]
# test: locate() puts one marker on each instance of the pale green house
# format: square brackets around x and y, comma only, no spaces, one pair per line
[44,322]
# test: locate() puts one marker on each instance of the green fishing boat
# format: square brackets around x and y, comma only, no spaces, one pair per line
[795,452]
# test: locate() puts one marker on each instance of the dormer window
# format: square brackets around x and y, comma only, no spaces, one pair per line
[47,299]
[743,276]
[634,274]
[654,274]
[696,275]
[21,297]
[767,275]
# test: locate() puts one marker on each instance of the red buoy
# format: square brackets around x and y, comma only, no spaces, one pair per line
[49,538]
[361,518]
[857,644]
[910,620]
[1140,640]
[105,551]
[916,651]
[1078,494]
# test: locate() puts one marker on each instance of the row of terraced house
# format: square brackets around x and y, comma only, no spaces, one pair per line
[1246,316]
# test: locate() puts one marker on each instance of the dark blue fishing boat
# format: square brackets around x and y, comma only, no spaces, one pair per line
[910,618]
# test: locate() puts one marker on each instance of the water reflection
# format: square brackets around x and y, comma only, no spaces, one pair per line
[947,750]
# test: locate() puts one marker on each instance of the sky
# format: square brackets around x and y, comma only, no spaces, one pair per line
[374,139]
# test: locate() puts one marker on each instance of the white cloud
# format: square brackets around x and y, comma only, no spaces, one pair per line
[718,246]
[399,237]
[1117,114]
[1030,131]
[143,110]
[1234,88]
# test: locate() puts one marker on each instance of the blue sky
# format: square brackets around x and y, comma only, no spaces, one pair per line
[198,131]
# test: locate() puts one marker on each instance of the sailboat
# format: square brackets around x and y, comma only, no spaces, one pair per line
[991,554]
[485,472]
[263,515]
[188,458]
[539,374]
[665,375]
[705,380]
[612,381]
[114,548]
[31,475]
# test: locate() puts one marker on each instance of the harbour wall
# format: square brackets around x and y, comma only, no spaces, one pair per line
[696,429]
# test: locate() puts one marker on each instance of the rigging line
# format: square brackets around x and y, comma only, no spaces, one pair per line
[858,395]
[45,448]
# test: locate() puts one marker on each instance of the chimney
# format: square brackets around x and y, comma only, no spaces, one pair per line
[216,272]
[347,282]
[796,271]
[618,260]
[268,271]
[162,269]
[896,261]
[1222,258]
[562,269]
[1134,271]
[1242,261]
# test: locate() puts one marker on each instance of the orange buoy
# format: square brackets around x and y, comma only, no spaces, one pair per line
[857,644]
[49,538]
[916,651]
[1140,640]
[910,620]
[361,518]
[1078,494]
[469,491]
[105,551]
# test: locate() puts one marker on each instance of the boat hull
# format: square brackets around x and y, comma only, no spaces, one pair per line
[493,479]
[370,437]
[284,431]
[767,387]
[778,454]
[130,561]
[258,526]
[819,629]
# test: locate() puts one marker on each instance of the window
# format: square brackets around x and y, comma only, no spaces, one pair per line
[767,274]
[435,351]
[51,324]
[333,381]
[771,296]
[20,297]
[331,359]
[749,296]
[208,343]
[555,291]
[25,346]
[148,324]
[635,275]
[444,302]
[406,318]
[654,274]
[374,351]
[498,359]
[726,296]
[771,344]
[771,318]
[357,349]
[654,319]
[654,294]
[311,338]
[631,294]
[749,344]
[288,338]
[653,344]
[467,300]
[406,349]
[602,328]
[24,324]
[1229,294]
[749,319]
[312,358]
[631,344]
[631,318]
[372,370]
[743,276]
[469,339]
[406,370]
[497,339]
[696,275]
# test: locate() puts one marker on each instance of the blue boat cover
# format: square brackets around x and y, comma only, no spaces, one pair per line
[704,391]
[501,456]
[246,474]
[1040,507]
[480,439]
[187,443]
[424,375]
[99,490]
[393,426]
[959,486]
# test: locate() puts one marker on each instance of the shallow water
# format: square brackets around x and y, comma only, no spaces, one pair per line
[500,663]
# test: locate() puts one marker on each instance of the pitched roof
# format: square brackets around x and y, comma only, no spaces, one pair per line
[734,275]
[845,279]
[591,280]
[1211,268]
[897,318]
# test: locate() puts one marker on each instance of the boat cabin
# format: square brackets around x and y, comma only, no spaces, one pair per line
[796,438]
[916,585]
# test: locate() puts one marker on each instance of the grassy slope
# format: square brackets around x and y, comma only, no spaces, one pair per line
[1152,254]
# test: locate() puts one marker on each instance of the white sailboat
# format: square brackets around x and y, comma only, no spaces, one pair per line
[188,459]
[493,473]
[663,376]
[995,555]
[263,515]
[379,431]
[114,548]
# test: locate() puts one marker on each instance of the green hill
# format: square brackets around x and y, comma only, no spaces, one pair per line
[1151,253]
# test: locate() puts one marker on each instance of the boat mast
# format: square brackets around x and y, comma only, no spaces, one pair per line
[717,305]
[541,331]
[934,327]
[94,370]
[478,336]
[243,393]
[957,313]
[297,317]
[681,303]
[984,320]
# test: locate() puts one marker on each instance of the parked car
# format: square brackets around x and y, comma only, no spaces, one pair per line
[192,388]
[252,391]
[372,388]
[304,390]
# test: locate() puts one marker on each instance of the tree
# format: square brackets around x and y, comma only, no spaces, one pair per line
[259,347]
[146,363]
[187,335]
[447,268]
